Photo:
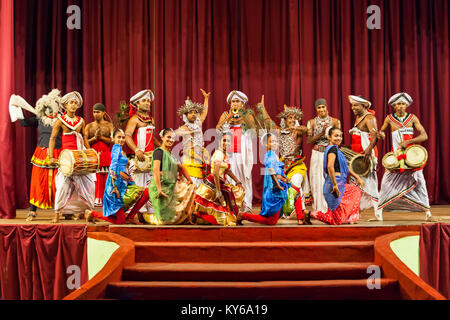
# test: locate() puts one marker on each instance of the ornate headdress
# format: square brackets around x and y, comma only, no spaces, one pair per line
[238,95]
[361,100]
[189,106]
[400,97]
[74,95]
[291,110]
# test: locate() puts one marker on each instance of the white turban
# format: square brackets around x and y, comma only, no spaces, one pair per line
[147,93]
[356,99]
[74,95]
[237,94]
[400,97]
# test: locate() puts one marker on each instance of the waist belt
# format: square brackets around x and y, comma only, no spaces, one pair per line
[319,148]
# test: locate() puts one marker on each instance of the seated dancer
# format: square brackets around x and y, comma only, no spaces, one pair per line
[317,136]
[98,134]
[364,139]
[216,201]
[290,135]
[172,200]
[76,193]
[139,136]
[275,187]
[121,193]
[195,156]
[42,186]
[403,190]
[342,198]
[241,123]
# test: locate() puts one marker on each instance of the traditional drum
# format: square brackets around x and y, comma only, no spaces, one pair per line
[78,162]
[146,165]
[416,156]
[390,162]
[356,161]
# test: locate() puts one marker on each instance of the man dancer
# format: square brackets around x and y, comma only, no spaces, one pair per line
[195,156]
[317,135]
[364,139]
[139,135]
[98,134]
[242,125]
[403,190]
[76,193]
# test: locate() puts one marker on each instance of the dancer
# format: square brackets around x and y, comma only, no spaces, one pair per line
[403,190]
[76,193]
[217,202]
[291,137]
[364,139]
[42,186]
[98,134]
[121,192]
[195,156]
[241,123]
[139,136]
[342,198]
[276,186]
[172,201]
[317,136]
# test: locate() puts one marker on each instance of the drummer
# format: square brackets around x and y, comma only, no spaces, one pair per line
[76,193]
[403,190]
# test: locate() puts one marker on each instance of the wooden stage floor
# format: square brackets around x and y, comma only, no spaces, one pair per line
[440,214]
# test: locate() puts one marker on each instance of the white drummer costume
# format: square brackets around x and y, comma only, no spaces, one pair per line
[241,152]
[360,141]
[143,139]
[76,193]
[403,190]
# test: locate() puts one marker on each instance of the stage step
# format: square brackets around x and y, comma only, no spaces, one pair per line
[244,271]
[256,233]
[292,290]
[254,252]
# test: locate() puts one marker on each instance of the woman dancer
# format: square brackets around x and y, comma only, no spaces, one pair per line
[217,202]
[172,200]
[342,198]
[121,193]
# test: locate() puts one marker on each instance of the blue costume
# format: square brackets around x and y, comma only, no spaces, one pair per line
[273,198]
[112,204]
[341,180]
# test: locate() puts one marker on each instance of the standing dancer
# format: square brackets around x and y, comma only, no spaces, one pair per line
[121,193]
[241,123]
[342,198]
[98,134]
[42,186]
[364,139]
[403,190]
[317,135]
[291,137]
[195,155]
[76,193]
[172,200]
[276,186]
[139,136]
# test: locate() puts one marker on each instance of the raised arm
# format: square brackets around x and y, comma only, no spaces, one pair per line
[205,103]
[265,115]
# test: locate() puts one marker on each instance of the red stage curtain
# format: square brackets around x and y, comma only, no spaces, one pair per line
[292,51]
[435,256]
[7,163]
[35,260]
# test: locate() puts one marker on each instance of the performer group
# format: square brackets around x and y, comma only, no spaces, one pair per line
[133,172]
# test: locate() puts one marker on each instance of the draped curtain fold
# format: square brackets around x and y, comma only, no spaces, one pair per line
[292,51]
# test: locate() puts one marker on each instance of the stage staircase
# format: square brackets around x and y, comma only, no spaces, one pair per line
[251,263]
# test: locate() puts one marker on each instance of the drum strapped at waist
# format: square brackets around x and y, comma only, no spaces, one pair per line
[356,161]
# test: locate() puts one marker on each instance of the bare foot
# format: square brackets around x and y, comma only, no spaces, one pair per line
[31,216]
[88,216]
[56,218]
[239,219]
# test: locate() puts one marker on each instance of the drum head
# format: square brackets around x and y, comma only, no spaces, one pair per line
[416,156]
[142,166]
[390,161]
[360,166]
[66,162]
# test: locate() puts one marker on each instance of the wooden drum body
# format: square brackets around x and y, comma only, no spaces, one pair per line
[78,162]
